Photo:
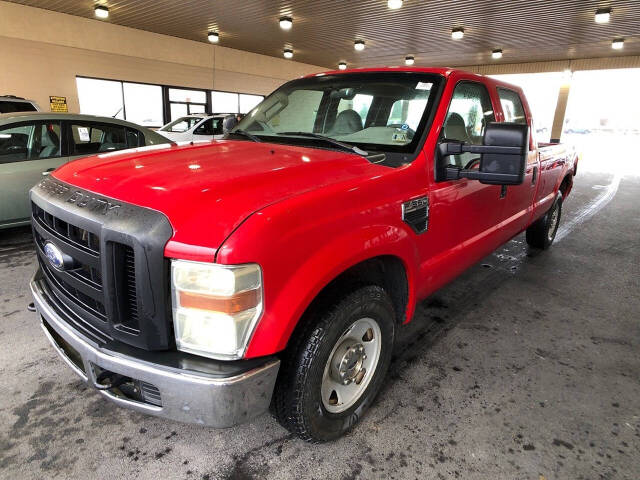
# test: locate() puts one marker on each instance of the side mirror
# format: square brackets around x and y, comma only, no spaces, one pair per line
[503,155]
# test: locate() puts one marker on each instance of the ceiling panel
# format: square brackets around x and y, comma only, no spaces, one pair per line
[324,30]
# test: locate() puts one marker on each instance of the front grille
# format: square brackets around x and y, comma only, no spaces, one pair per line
[125,288]
[81,299]
[76,235]
[113,284]
[82,285]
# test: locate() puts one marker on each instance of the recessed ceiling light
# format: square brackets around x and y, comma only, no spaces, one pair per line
[342,66]
[409,60]
[457,33]
[101,11]
[394,4]
[358,45]
[288,53]
[497,53]
[603,15]
[286,23]
[618,44]
[213,37]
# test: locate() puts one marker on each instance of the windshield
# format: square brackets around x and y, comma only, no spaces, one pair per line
[383,112]
[181,125]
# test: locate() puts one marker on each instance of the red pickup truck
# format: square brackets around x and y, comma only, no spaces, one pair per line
[207,282]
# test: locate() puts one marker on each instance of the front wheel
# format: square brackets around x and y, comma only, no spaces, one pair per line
[543,231]
[335,367]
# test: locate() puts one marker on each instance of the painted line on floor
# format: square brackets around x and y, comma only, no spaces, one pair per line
[591,208]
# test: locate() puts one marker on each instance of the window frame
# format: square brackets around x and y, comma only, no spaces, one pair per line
[474,82]
[439,163]
[525,109]
[500,88]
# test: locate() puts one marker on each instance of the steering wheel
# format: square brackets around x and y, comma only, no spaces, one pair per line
[410,131]
[472,163]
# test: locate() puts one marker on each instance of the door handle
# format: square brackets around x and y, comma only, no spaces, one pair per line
[47,172]
[535,175]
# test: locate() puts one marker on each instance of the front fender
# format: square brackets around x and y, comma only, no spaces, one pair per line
[295,274]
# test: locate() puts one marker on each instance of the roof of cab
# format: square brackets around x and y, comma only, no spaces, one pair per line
[445,71]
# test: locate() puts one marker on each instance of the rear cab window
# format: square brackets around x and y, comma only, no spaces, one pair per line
[513,110]
[512,107]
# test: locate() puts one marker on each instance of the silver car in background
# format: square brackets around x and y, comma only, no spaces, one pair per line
[33,144]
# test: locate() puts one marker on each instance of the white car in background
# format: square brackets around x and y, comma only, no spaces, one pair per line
[195,127]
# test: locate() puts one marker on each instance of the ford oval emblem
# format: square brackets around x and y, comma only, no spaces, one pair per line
[54,255]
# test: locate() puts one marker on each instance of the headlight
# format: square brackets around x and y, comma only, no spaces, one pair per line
[215,307]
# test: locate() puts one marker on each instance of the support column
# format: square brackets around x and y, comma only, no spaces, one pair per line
[561,109]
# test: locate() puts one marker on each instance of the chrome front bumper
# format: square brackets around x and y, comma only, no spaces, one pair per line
[184,395]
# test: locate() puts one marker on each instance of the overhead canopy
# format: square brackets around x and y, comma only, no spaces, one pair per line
[324,31]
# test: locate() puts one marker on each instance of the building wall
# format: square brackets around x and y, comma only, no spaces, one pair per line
[41,53]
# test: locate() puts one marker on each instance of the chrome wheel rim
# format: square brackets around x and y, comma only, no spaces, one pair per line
[553,223]
[351,365]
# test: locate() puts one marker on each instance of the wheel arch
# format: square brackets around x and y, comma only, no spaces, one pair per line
[566,185]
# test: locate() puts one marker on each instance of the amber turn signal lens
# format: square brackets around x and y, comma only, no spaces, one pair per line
[233,304]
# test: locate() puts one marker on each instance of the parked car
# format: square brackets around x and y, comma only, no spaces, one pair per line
[294,250]
[194,127]
[34,144]
[11,103]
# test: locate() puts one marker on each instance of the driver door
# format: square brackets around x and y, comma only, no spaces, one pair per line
[464,214]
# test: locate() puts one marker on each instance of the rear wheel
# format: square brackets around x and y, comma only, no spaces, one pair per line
[336,366]
[542,232]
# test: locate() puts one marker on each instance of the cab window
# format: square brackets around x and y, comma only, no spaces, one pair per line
[512,106]
[29,141]
[470,111]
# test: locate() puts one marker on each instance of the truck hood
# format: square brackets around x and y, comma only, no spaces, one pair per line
[207,190]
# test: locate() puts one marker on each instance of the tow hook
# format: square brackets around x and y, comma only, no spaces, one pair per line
[31,307]
[114,380]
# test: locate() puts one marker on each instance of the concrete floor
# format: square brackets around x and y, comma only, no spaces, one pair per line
[525,367]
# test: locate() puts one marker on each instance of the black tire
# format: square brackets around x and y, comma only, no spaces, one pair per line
[297,402]
[543,231]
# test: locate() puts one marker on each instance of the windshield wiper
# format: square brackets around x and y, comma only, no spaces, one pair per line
[344,146]
[244,133]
